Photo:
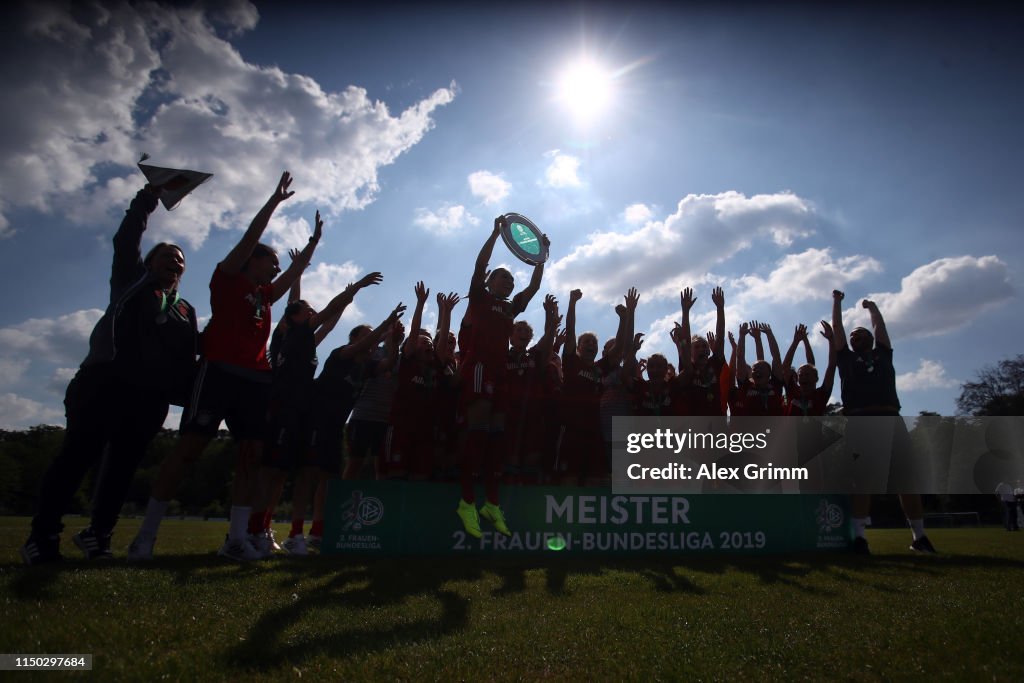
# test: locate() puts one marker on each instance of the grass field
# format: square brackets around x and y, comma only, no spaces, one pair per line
[192,616]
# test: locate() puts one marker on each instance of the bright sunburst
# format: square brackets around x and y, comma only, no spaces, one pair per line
[585,89]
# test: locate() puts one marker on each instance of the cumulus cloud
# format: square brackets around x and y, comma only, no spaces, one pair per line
[811,274]
[97,86]
[662,256]
[11,370]
[562,171]
[637,214]
[938,297]
[326,280]
[59,380]
[446,220]
[929,375]
[488,187]
[18,412]
[63,340]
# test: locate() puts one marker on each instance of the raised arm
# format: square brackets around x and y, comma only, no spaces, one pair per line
[877,324]
[295,293]
[417,317]
[839,332]
[624,333]
[324,321]
[479,280]
[686,302]
[773,348]
[755,334]
[521,300]
[127,263]
[373,338]
[445,306]
[787,362]
[284,281]
[718,298]
[551,321]
[570,325]
[742,369]
[237,257]
[830,371]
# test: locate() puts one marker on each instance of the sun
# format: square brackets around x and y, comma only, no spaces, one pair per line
[585,90]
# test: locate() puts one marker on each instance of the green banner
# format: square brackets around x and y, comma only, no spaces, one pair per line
[398,517]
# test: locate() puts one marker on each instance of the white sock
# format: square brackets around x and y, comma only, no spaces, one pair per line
[155,511]
[239,525]
[858,526]
[917,528]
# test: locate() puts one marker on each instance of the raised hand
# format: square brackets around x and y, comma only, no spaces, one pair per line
[711,340]
[732,340]
[575,295]
[373,278]
[800,334]
[282,192]
[499,223]
[550,303]
[755,329]
[744,329]
[318,228]
[632,299]
[421,292]
[826,331]
[718,297]
[447,302]
[294,254]
[677,333]
[638,340]
[868,304]
[836,294]
[395,315]
[686,299]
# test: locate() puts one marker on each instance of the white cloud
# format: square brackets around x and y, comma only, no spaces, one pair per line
[489,187]
[17,412]
[110,81]
[929,375]
[11,370]
[637,214]
[811,274]
[663,256]
[59,380]
[63,340]
[446,220]
[322,283]
[938,297]
[563,171]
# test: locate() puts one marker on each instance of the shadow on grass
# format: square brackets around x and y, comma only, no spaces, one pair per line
[358,587]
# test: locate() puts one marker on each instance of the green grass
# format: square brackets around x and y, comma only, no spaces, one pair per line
[192,616]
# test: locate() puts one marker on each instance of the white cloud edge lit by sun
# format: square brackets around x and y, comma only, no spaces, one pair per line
[244,122]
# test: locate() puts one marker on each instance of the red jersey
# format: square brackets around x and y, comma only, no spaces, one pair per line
[704,395]
[581,390]
[798,406]
[667,400]
[416,398]
[240,325]
[749,400]
[485,329]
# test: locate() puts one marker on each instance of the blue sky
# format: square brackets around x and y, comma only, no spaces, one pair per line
[780,153]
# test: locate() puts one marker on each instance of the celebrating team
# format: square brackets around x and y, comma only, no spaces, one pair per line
[497,408]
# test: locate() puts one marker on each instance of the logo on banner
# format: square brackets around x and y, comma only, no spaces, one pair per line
[830,519]
[361,511]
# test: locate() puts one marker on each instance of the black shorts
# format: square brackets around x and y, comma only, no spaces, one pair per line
[366,438]
[222,395]
[289,437]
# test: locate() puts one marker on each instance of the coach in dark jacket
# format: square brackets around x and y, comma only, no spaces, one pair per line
[141,359]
